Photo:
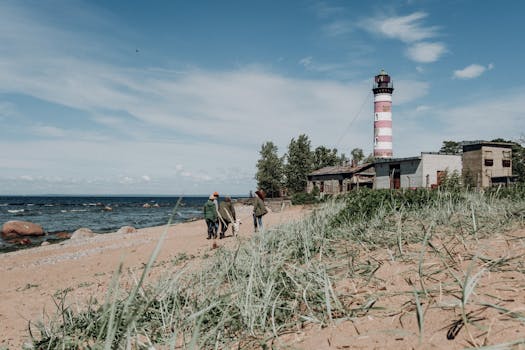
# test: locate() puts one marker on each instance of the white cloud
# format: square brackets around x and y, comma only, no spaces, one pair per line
[146,178]
[405,28]
[306,61]
[420,69]
[48,131]
[426,52]
[338,69]
[409,90]
[472,71]
[410,30]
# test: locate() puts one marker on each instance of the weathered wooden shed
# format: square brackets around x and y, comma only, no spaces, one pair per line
[341,179]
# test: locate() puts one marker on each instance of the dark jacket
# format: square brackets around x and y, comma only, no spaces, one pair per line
[226,208]
[210,213]
[259,209]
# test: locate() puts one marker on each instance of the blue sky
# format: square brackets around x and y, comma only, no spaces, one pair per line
[172,97]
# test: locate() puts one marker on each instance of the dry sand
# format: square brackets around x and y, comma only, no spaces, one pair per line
[30,278]
[494,267]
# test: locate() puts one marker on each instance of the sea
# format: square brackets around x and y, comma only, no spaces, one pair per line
[100,214]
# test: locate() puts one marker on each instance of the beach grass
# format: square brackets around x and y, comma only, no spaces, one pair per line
[305,273]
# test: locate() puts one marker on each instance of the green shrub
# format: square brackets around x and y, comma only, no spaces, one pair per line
[365,203]
[305,198]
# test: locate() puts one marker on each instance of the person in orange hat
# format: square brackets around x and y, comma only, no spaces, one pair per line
[210,215]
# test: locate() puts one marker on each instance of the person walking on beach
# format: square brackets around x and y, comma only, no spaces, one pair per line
[211,216]
[216,202]
[226,215]
[259,209]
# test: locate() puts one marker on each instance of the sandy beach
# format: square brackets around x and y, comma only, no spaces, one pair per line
[32,278]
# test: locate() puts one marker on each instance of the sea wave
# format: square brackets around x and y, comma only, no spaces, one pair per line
[15,211]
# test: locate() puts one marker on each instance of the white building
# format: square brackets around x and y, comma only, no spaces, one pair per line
[427,170]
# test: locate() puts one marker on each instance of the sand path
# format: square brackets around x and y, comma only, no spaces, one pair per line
[29,279]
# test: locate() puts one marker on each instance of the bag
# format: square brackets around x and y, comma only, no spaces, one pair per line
[236,227]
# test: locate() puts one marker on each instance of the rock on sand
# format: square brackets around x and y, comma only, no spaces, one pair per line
[82,233]
[127,229]
[12,229]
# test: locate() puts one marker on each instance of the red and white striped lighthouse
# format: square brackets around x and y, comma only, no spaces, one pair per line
[383,89]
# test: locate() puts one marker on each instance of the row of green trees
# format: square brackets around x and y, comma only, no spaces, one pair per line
[290,170]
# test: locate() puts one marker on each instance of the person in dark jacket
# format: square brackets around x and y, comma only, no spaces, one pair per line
[259,209]
[211,216]
[216,202]
[226,214]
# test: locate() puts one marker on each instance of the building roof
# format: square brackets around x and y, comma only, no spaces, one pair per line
[396,160]
[406,159]
[340,169]
[478,144]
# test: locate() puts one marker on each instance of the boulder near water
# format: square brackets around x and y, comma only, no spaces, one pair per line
[63,235]
[127,229]
[82,233]
[13,229]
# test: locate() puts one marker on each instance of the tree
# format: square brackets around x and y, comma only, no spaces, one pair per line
[518,158]
[357,155]
[451,147]
[323,157]
[370,158]
[299,164]
[342,159]
[269,174]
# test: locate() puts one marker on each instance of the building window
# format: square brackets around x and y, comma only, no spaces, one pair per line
[489,162]
[507,154]
[321,186]
[376,117]
[505,163]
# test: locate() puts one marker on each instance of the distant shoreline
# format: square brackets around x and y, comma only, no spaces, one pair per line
[106,214]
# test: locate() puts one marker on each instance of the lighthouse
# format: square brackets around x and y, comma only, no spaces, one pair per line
[383,89]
